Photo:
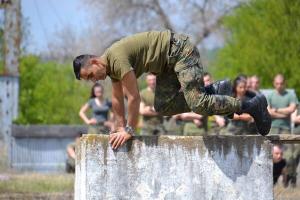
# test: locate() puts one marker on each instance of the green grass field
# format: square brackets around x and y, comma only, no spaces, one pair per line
[37,183]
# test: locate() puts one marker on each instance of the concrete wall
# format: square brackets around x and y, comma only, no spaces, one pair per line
[175,167]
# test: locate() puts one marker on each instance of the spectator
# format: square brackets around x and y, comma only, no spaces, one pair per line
[294,151]
[248,83]
[296,120]
[207,79]
[279,164]
[100,122]
[216,122]
[194,124]
[152,121]
[255,84]
[281,104]
[70,163]
[240,124]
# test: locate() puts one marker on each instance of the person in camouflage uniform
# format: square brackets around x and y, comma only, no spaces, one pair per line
[70,162]
[152,121]
[179,88]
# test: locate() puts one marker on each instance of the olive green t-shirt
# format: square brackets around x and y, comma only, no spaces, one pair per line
[147,97]
[276,100]
[142,52]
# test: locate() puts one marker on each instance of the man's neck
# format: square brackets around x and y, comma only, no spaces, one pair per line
[280,91]
[150,89]
[104,61]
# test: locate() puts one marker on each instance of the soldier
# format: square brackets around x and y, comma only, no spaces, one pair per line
[282,104]
[70,162]
[215,123]
[152,121]
[176,62]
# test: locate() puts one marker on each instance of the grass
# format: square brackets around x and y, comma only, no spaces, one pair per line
[281,193]
[37,183]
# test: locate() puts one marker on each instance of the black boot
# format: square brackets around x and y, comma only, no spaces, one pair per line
[222,87]
[257,108]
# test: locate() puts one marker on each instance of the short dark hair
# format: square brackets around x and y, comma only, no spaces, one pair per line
[93,88]
[206,74]
[80,62]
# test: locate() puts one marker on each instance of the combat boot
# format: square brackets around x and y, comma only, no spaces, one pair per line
[257,108]
[222,87]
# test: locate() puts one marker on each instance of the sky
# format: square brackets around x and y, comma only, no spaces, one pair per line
[45,17]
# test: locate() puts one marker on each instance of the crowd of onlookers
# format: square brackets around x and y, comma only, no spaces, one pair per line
[282,106]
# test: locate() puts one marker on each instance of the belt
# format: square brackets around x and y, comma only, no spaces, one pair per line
[172,40]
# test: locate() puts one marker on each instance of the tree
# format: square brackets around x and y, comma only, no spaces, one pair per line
[49,93]
[111,20]
[199,18]
[263,39]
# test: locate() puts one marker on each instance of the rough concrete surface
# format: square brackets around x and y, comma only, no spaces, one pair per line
[175,167]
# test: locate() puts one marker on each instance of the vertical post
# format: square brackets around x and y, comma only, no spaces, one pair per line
[9,82]
[12,37]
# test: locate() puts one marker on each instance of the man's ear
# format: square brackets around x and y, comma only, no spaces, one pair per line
[94,61]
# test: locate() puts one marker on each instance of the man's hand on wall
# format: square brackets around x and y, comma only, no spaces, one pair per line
[117,139]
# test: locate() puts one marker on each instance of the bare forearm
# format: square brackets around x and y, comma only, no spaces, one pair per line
[71,152]
[133,111]
[285,111]
[243,117]
[148,113]
[297,119]
[84,117]
[278,115]
[118,109]
[190,116]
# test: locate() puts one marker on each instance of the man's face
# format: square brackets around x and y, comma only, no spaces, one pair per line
[207,80]
[277,154]
[255,83]
[279,84]
[93,72]
[151,81]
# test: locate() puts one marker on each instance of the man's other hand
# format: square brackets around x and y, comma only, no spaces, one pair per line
[117,139]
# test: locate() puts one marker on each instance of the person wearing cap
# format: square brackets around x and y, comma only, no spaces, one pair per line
[176,63]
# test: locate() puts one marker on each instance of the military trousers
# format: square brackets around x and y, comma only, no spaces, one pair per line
[180,88]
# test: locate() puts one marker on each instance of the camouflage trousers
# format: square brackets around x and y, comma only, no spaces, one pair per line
[180,88]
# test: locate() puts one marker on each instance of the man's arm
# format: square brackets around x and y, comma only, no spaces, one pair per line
[118,105]
[71,152]
[287,110]
[147,110]
[190,116]
[275,114]
[129,84]
[296,117]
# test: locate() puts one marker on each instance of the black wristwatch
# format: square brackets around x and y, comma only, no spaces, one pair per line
[129,130]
